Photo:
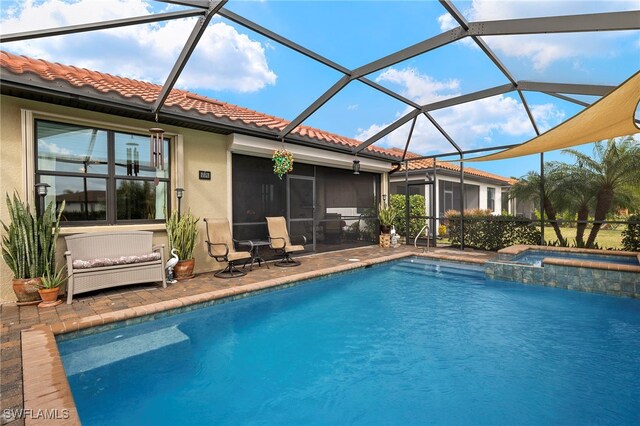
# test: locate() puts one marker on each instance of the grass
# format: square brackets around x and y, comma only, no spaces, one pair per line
[607,238]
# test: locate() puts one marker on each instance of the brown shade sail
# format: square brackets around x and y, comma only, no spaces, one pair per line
[610,117]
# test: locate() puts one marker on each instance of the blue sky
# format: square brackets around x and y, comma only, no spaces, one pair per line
[236,65]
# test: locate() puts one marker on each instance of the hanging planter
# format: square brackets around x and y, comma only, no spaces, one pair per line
[282,162]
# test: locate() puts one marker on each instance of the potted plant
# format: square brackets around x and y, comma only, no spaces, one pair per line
[50,285]
[282,162]
[182,233]
[28,246]
[386,216]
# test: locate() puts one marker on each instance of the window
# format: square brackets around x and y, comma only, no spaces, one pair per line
[449,195]
[103,176]
[491,199]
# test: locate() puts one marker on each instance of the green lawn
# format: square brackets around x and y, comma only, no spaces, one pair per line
[607,238]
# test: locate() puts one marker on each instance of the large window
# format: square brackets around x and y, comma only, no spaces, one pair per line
[103,176]
[491,199]
[449,196]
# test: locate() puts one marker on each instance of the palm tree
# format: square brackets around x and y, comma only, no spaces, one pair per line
[528,188]
[614,165]
[578,196]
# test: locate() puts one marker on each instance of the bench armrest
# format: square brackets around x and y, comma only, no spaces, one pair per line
[157,247]
[67,253]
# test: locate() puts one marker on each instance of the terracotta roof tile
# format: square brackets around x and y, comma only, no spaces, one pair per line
[427,163]
[192,102]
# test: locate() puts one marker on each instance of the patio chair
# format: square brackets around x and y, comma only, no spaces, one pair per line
[281,243]
[220,246]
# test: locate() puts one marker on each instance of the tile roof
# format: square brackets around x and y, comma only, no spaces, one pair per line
[427,163]
[191,102]
[148,92]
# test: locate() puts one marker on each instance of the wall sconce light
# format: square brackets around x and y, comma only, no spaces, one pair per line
[157,147]
[41,190]
[179,194]
[356,166]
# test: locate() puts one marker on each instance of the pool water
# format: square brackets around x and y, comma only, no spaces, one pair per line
[535,257]
[410,342]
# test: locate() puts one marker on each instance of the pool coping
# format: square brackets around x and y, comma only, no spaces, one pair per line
[517,249]
[46,386]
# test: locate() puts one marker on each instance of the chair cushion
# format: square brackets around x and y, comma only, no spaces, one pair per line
[291,249]
[238,255]
[110,261]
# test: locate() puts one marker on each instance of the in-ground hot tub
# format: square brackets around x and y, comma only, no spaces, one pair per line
[596,271]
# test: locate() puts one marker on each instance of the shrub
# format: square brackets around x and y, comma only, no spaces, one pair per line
[487,232]
[631,235]
[417,207]
[29,240]
[182,234]
[442,231]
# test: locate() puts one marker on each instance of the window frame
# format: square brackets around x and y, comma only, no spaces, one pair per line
[491,200]
[110,176]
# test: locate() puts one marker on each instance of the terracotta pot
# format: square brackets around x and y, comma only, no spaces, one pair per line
[26,290]
[184,269]
[49,294]
[49,297]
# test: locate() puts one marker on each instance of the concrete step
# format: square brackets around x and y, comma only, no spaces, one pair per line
[118,350]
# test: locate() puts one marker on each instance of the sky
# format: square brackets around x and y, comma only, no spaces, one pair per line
[236,65]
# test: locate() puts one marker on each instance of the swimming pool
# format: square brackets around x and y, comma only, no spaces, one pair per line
[535,257]
[410,342]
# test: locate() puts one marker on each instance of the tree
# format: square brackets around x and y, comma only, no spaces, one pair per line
[614,166]
[528,188]
[578,197]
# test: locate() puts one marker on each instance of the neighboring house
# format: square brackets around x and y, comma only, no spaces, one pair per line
[482,190]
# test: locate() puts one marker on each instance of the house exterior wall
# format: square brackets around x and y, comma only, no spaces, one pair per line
[192,151]
[483,189]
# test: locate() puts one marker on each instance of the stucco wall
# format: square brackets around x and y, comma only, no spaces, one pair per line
[201,151]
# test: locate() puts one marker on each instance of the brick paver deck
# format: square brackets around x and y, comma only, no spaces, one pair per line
[138,300]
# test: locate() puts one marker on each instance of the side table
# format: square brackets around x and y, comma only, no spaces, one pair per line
[254,248]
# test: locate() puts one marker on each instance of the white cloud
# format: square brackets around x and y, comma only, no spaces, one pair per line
[420,88]
[540,51]
[223,60]
[352,107]
[470,125]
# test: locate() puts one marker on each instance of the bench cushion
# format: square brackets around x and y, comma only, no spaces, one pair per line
[110,261]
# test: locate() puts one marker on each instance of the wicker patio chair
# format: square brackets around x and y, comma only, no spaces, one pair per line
[281,243]
[220,246]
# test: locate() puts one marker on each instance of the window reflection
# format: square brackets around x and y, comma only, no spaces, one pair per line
[136,200]
[85,198]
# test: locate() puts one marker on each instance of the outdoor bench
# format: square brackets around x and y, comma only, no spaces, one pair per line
[102,260]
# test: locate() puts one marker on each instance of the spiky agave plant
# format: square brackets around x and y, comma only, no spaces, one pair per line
[182,234]
[29,241]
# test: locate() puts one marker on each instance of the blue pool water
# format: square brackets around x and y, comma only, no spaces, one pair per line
[535,257]
[402,343]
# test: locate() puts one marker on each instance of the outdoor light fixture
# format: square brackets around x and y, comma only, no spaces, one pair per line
[356,166]
[157,147]
[179,194]
[42,189]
